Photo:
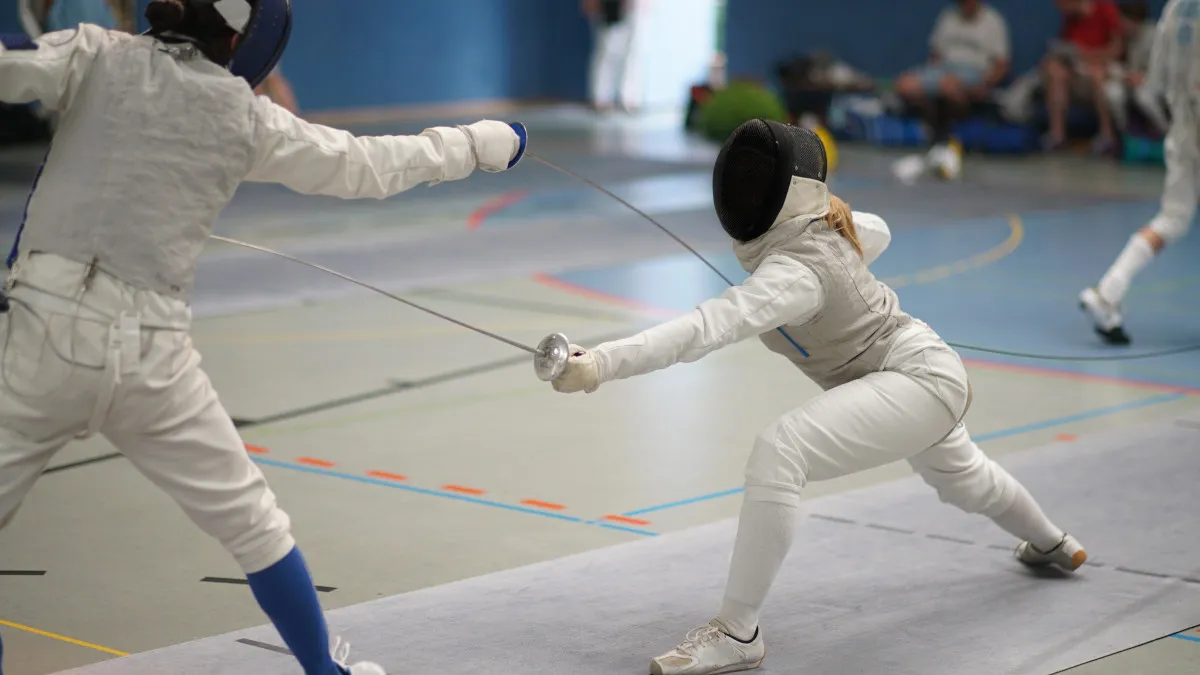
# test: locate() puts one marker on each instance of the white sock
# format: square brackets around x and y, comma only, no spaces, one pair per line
[1026,521]
[765,532]
[1136,255]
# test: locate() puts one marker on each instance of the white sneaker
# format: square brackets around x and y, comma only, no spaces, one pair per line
[1068,555]
[341,652]
[1105,316]
[908,170]
[946,160]
[709,650]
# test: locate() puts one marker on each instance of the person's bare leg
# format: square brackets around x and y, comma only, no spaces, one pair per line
[1057,84]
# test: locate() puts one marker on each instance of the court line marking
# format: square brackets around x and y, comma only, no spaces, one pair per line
[63,638]
[990,436]
[544,513]
[1016,234]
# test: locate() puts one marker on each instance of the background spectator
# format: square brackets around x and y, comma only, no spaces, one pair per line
[278,89]
[1128,91]
[1079,65]
[613,75]
[969,55]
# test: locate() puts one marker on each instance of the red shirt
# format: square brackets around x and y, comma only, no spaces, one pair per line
[1096,30]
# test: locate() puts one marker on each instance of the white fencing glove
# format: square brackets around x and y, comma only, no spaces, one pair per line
[582,373]
[497,146]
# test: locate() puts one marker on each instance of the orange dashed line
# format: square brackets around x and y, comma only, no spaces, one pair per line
[543,505]
[464,490]
[1066,437]
[254,449]
[630,521]
[315,462]
[386,475]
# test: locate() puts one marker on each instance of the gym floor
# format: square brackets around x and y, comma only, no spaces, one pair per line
[411,453]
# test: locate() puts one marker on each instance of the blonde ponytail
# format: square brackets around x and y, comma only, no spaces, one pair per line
[841,220]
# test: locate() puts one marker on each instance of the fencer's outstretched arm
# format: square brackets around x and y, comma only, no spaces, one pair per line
[781,291]
[50,69]
[319,160]
[873,235]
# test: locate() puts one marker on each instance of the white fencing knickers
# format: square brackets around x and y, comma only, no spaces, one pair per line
[1181,189]
[84,353]
[911,410]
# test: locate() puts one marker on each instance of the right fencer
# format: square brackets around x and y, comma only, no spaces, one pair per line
[1174,71]
[893,389]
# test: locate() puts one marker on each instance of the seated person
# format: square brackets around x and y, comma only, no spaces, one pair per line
[1078,66]
[1128,91]
[969,55]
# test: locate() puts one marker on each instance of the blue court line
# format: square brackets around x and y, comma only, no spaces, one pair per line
[444,495]
[1003,433]
[1078,417]
[1189,638]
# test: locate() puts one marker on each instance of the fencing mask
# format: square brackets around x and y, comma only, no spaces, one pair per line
[263,28]
[754,171]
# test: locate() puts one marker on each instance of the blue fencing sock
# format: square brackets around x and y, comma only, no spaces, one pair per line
[285,592]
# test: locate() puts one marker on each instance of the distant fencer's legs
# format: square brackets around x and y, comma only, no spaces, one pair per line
[1181,189]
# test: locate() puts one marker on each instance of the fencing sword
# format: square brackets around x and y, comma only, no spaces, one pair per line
[549,357]
[1172,351]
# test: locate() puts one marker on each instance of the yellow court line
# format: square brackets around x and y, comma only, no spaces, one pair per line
[1016,233]
[62,638]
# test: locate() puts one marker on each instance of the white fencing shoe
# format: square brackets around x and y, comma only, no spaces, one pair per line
[710,650]
[341,652]
[1068,555]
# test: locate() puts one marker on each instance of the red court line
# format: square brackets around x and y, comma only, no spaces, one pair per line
[463,490]
[627,520]
[584,291]
[254,449]
[543,505]
[315,462]
[576,289]
[1080,377]
[493,206]
[386,476]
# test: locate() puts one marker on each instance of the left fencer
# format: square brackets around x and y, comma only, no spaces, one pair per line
[157,132]
[893,390]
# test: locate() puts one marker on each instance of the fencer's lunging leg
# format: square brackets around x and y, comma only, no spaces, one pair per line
[172,427]
[765,531]
[967,478]
[879,419]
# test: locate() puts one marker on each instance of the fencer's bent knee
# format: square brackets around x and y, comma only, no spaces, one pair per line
[263,541]
[981,487]
[777,470]
[1173,221]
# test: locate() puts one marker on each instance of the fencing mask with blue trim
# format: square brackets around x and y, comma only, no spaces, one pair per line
[262,27]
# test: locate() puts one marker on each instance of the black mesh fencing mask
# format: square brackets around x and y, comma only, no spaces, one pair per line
[755,169]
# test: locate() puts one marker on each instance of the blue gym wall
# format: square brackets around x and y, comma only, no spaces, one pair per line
[10,21]
[880,37]
[374,53]
[369,53]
